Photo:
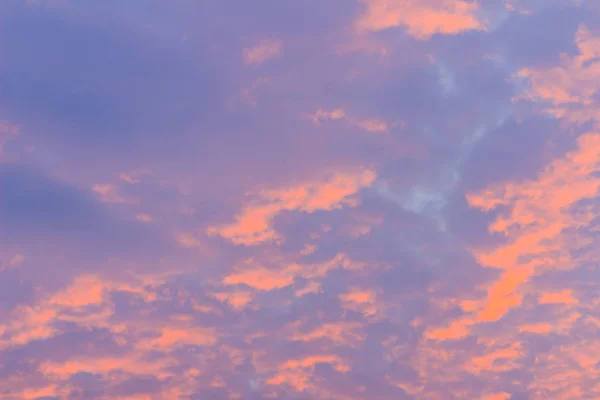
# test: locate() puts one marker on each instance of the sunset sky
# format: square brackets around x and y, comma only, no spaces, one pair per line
[299,199]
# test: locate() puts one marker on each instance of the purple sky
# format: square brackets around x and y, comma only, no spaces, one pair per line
[316,199]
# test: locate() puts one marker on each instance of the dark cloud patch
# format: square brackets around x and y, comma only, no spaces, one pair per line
[520,395]
[89,84]
[32,200]
[86,385]
[42,209]
[137,386]
[16,366]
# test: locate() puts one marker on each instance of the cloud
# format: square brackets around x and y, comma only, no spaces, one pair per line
[109,194]
[262,52]
[539,208]
[421,19]
[563,297]
[45,211]
[361,301]
[330,200]
[296,373]
[253,225]
[569,89]
[541,328]
[261,279]
[371,125]
[145,218]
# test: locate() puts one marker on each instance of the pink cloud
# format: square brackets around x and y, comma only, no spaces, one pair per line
[253,224]
[421,19]
[575,81]
[262,52]
[371,125]
[281,241]
[109,193]
[539,209]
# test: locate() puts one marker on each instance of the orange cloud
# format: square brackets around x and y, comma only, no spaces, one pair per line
[311,287]
[363,301]
[16,260]
[538,227]
[110,194]
[127,363]
[263,51]
[541,328]
[173,337]
[371,125]
[497,396]
[297,373]
[237,300]
[134,176]
[46,391]
[503,295]
[261,278]
[30,323]
[347,333]
[457,330]
[85,290]
[253,225]
[539,214]
[323,115]
[421,19]
[562,297]
[145,218]
[500,360]
[408,387]
[576,81]
[190,241]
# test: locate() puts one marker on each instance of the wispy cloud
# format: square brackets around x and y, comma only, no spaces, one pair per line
[262,52]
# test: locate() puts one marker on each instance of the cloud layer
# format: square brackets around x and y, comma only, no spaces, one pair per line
[305,200]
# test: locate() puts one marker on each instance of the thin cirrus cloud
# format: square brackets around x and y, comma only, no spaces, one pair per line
[371,125]
[327,200]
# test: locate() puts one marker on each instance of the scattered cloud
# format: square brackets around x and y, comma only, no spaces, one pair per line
[371,125]
[254,224]
[380,199]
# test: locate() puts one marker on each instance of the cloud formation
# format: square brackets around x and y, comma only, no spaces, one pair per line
[374,199]
[421,19]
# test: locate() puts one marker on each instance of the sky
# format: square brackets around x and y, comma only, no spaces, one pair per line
[296,200]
